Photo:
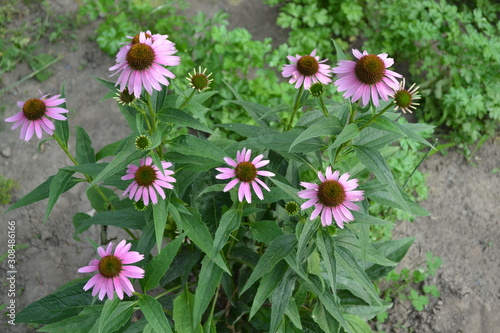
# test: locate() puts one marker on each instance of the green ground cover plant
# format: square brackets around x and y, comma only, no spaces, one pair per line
[440,41]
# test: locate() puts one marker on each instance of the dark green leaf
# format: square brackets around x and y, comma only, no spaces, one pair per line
[374,162]
[265,231]
[324,126]
[57,187]
[394,250]
[158,266]
[346,261]
[82,323]
[209,278]
[67,301]
[153,312]
[84,151]
[280,298]
[125,218]
[91,170]
[278,249]
[115,314]
[181,118]
[108,150]
[229,222]
[40,193]
[267,284]
[183,313]
[160,220]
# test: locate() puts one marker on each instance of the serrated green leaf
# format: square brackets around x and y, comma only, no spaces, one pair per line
[347,262]
[181,118]
[209,278]
[183,313]
[305,236]
[40,193]
[356,324]
[160,219]
[198,232]
[124,218]
[265,231]
[394,250]
[108,150]
[291,191]
[67,301]
[278,249]
[62,126]
[374,162]
[326,248]
[348,133]
[57,187]
[115,314]
[340,53]
[84,151]
[82,323]
[325,320]
[153,311]
[192,146]
[127,154]
[281,142]
[267,284]
[280,299]
[108,84]
[229,222]
[158,266]
[385,124]
[324,126]
[247,130]
[91,170]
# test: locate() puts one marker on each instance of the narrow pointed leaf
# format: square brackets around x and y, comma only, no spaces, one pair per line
[84,151]
[158,266]
[324,126]
[277,250]
[57,186]
[153,311]
[209,278]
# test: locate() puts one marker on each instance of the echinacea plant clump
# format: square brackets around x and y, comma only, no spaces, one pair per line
[202,254]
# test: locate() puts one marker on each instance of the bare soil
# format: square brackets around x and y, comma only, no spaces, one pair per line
[464,199]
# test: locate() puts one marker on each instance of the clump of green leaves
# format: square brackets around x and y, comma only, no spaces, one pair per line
[18,42]
[440,40]
[409,285]
[7,186]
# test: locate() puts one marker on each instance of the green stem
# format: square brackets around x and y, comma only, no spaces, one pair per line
[295,107]
[213,304]
[169,291]
[151,113]
[89,179]
[322,104]
[141,111]
[186,101]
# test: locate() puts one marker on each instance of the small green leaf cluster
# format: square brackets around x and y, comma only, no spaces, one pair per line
[440,40]
[409,284]
[7,186]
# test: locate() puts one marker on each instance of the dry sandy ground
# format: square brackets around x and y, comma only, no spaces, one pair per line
[464,229]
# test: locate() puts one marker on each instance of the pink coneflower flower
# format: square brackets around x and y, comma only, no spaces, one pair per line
[368,76]
[141,63]
[332,198]
[35,114]
[307,70]
[112,274]
[245,172]
[148,180]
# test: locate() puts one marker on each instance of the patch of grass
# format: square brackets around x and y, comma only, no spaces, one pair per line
[23,25]
[7,186]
